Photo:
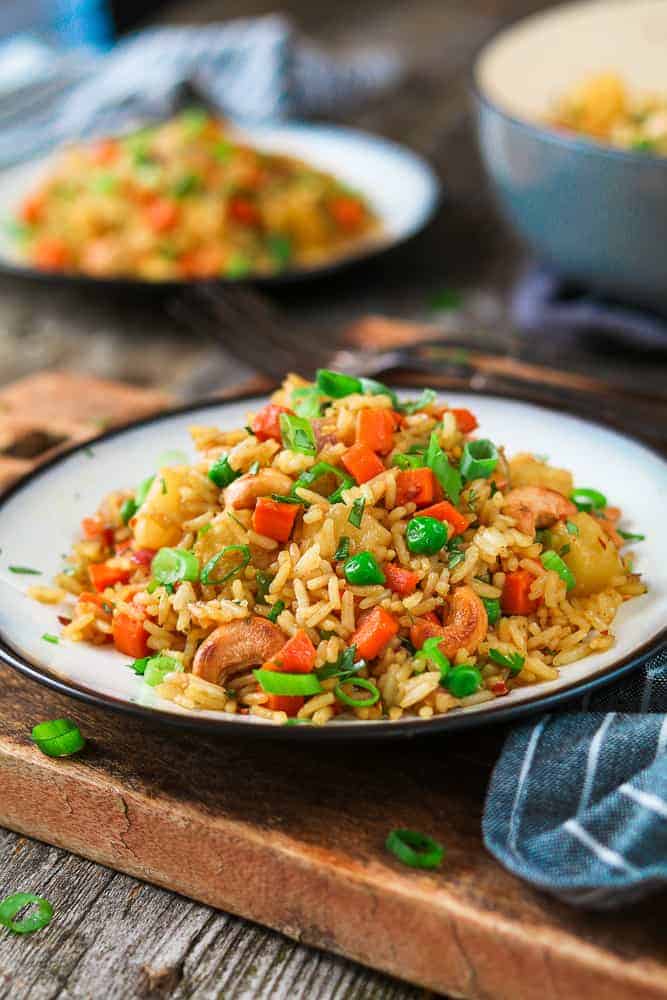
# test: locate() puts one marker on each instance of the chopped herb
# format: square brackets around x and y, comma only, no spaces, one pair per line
[571,528]
[630,537]
[345,666]
[163,485]
[343,550]
[25,570]
[234,518]
[446,298]
[472,499]
[405,461]
[139,666]
[128,510]
[280,249]
[492,605]
[186,185]
[357,512]
[276,611]
[456,557]
[281,498]
[207,572]
[204,530]
[494,488]
[221,472]
[513,662]
[263,582]
[47,637]
[565,549]
[106,607]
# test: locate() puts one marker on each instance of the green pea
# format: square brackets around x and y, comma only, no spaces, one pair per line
[464,680]
[363,569]
[426,535]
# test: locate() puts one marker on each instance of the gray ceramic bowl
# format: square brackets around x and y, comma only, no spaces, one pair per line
[597,214]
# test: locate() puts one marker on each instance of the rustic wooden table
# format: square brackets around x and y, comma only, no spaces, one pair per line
[165,946]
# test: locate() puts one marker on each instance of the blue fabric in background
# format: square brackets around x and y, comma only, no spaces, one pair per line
[255,69]
[577,803]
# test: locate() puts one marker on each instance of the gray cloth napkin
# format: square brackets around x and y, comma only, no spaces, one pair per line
[254,69]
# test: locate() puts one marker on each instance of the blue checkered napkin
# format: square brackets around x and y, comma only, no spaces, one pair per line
[577,803]
[251,69]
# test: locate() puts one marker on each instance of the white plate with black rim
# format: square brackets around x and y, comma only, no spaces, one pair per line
[40,517]
[400,186]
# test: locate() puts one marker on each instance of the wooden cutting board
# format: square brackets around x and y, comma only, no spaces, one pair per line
[294,838]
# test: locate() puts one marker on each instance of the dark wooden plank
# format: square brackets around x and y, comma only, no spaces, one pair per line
[226,823]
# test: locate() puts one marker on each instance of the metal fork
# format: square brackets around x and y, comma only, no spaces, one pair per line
[255,332]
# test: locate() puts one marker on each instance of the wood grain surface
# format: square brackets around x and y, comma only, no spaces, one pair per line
[294,840]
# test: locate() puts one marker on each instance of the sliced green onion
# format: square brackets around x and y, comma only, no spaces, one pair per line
[47,637]
[321,469]
[276,610]
[25,570]
[363,570]
[128,510]
[297,434]
[448,477]
[297,501]
[206,574]
[34,920]
[254,469]
[306,402]
[238,266]
[492,605]
[370,387]
[221,472]
[139,666]
[404,461]
[142,491]
[512,661]
[58,738]
[630,537]
[357,512]
[432,653]
[298,722]
[335,384]
[552,561]
[223,150]
[204,530]
[586,500]
[263,582]
[158,667]
[280,249]
[275,682]
[479,459]
[464,680]
[446,298]
[571,528]
[173,565]
[186,185]
[343,550]
[358,682]
[427,397]
[455,558]
[415,849]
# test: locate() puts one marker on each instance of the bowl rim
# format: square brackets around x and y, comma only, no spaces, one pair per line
[571,141]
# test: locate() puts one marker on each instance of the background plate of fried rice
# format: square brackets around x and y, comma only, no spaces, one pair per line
[403,203]
[41,517]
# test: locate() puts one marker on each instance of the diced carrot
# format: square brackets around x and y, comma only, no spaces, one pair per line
[465,420]
[374,631]
[401,581]
[102,575]
[104,152]
[362,463]
[93,528]
[500,688]
[274,519]
[266,423]
[348,212]
[287,703]
[88,598]
[129,635]
[426,627]
[297,655]
[32,208]
[51,254]
[416,486]
[445,511]
[375,429]
[204,262]
[244,211]
[515,599]
[161,214]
